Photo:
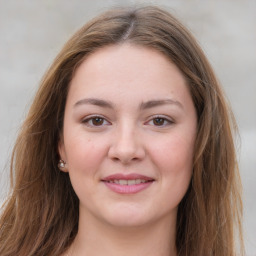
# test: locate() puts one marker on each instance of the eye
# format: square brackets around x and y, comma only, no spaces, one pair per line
[95,121]
[160,121]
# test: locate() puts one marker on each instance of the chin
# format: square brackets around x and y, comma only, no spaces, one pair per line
[128,217]
[127,222]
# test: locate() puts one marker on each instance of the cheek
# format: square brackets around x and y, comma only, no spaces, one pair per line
[174,154]
[84,158]
[174,160]
[83,155]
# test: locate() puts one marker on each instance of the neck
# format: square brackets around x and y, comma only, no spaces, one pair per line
[95,239]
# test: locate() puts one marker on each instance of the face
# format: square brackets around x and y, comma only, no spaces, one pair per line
[128,136]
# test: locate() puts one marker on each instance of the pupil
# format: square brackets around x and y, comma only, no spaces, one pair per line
[97,121]
[158,121]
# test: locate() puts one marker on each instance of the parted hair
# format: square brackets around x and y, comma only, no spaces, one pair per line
[40,216]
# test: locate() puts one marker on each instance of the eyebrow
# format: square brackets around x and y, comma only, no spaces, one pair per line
[160,102]
[143,105]
[94,101]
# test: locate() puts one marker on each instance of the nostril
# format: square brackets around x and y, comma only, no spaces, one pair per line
[125,160]
[115,159]
[126,150]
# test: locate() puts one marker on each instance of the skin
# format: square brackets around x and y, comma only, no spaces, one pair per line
[130,136]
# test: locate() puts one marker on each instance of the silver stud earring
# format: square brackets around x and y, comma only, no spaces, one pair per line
[61,164]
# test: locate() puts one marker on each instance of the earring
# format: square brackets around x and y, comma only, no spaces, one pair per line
[61,164]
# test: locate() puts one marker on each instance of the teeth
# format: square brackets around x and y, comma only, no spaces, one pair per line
[131,182]
[138,181]
[123,182]
[127,182]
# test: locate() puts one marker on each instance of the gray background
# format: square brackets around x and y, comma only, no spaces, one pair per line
[32,33]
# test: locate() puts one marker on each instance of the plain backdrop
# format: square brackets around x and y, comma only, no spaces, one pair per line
[32,33]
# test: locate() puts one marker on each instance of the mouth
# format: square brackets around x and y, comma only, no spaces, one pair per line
[127,184]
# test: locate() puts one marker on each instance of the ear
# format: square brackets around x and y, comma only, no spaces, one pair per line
[62,154]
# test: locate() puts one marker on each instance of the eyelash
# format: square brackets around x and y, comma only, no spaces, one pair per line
[166,121]
[88,121]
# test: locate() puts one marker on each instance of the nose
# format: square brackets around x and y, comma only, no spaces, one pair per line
[127,146]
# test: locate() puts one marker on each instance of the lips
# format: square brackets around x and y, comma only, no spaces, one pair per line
[127,184]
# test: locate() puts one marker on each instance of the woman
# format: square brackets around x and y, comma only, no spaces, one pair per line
[127,148]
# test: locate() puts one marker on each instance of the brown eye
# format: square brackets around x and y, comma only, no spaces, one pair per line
[97,121]
[159,121]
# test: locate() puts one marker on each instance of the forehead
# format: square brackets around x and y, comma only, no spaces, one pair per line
[126,69]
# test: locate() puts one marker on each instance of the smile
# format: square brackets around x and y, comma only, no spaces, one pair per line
[127,184]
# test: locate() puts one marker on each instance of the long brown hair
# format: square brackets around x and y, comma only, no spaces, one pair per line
[41,215]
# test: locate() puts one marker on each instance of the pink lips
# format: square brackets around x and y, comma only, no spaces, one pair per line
[127,184]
